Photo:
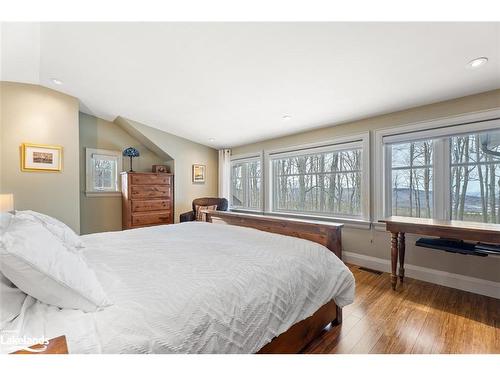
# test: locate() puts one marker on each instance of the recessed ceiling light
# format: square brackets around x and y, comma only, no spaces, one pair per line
[286,117]
[56,81]
[476,63]
[211,139]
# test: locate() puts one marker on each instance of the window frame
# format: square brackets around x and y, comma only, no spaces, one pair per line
[355,141]
[440,130]
[247,158]
[89,172]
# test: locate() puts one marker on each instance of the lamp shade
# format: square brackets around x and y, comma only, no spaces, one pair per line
[131,152]
[6,202]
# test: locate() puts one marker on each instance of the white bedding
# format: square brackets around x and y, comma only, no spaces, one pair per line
[194,288]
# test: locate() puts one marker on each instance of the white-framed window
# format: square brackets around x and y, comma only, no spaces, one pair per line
[246,183]
[443,169]
[102,170]
[328,179]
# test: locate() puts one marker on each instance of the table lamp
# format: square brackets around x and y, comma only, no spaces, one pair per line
[6,202]
[131,153]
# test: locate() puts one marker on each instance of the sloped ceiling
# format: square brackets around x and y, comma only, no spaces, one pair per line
[234,82]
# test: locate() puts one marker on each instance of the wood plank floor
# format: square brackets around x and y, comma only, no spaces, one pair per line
[418,317]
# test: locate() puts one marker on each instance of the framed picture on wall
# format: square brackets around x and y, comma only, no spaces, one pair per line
[42,158]
[199,173]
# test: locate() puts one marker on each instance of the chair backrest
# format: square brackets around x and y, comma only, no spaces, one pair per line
[221,203]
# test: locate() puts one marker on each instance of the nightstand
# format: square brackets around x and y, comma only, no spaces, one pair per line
[56,345]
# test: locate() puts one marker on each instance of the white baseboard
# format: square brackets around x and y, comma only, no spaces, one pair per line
[452,280]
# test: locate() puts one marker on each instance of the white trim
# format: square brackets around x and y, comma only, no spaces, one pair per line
[110,194]
[452,280]
[244,157]
[441,191]
[349,222]
[356,144]
[443,131]
[470,122]
[329,142]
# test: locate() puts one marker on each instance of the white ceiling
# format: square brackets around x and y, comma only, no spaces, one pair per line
[234,81]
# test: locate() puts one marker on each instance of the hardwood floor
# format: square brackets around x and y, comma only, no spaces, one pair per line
[418,317]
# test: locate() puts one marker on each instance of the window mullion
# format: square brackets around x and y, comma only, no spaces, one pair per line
[441,179]
[446,179]
[387,188]
[246,185]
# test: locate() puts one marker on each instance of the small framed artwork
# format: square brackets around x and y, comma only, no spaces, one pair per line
[199,173]
[41,158]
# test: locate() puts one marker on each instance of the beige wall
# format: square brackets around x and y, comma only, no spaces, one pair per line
[34,114]
[102,214]
[184,154]
[376,243]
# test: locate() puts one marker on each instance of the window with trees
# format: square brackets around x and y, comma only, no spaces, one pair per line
[475,177]
[455,176]
[102,169]
[321,181]
[412,179]
[246,184]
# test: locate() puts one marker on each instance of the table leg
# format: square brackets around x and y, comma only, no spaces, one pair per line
[394,259]
[402,249]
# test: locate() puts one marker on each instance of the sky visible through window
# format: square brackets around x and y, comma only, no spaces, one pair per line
[474,178]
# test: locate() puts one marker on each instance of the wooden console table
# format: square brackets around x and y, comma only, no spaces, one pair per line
[461,230]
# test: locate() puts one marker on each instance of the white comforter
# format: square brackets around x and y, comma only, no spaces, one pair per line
[194,288]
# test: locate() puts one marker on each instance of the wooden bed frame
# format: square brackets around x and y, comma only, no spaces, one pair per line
[300,334]
[326,234]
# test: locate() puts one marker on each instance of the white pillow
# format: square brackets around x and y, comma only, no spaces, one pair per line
[38,264]
[11,301]
[5,218]
[56,227]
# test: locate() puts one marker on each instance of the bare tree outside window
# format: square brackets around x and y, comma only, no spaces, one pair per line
[246,180]
[104,174]
[412,174]
[475,178]
[326,183]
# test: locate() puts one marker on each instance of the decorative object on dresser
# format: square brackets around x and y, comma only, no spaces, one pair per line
[199,173]
[160,168]
[220,203]
[41,158]
[131,153]
[148,199]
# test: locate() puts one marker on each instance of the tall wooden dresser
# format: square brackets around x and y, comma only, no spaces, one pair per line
[148,199]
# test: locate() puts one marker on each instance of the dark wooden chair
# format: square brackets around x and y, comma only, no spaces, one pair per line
[222,205]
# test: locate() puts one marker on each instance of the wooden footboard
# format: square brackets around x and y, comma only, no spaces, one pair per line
[326,234]
[302,333]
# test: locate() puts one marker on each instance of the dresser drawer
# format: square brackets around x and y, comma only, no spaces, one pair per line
[150,179]
[150,205]
[150,191]
[151,218]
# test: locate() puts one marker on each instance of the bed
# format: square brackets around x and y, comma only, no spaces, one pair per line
[199,287]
